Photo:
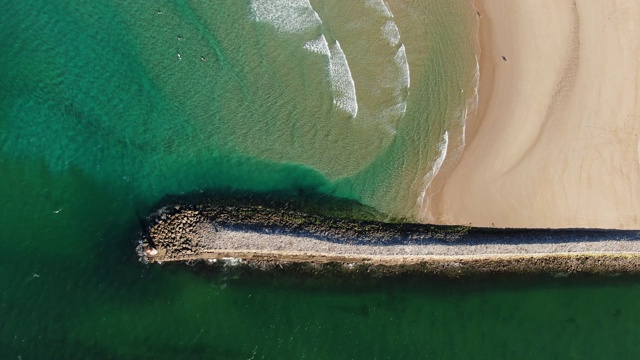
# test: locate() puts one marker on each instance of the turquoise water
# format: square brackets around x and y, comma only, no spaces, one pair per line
[99,119]
[172,96]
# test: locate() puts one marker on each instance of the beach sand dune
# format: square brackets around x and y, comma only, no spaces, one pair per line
[555,141]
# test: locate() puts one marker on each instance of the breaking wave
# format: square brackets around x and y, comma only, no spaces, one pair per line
[428,178]
[391,33]
[381,6]
[287,16]
[318,46]
[403,65]
[342,83]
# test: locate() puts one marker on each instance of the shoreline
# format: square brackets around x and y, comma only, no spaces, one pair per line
[429,200]
[554,143]
[263,238]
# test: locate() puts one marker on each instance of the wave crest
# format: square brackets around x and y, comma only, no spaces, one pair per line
[391,32]
[381,6]
[342,82]
[287,16]
[428,178]
[318,46]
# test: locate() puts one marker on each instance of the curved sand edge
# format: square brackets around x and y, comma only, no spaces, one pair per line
[556,139]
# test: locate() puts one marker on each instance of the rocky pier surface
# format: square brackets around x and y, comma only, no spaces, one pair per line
[262,237]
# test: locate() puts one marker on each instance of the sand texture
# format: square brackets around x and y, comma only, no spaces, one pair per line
[555,141]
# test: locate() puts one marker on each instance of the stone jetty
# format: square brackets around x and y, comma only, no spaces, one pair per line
[264,237]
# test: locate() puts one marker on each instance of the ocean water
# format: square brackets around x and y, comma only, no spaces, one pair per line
[107,107]
[165,97]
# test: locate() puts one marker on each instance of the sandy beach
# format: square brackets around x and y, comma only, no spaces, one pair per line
[555,141]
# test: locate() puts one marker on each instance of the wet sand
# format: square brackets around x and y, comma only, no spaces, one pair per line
[555,141]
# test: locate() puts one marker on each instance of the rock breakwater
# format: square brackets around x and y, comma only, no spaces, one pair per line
[263,237]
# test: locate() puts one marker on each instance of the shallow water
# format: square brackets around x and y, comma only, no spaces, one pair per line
[100,118]
[178,96]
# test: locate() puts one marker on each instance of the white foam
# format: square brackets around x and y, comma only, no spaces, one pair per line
[390,32]
[342,83]
[428,178]
[396,110]
[400,84]
[319,46]
[403,65]
[400,108]
[381,6]
[390,116]
[287,16]
[472,102]
[471,105]
[232,261]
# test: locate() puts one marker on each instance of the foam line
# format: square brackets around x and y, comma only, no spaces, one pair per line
[318,46]
[381,6]
[391,33]
[342,83]
[472,102]
[401,60]
[287,16]
[428,178]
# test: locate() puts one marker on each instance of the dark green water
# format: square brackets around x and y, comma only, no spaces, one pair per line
[99,120]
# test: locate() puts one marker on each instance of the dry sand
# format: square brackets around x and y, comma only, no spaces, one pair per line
[555,143]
